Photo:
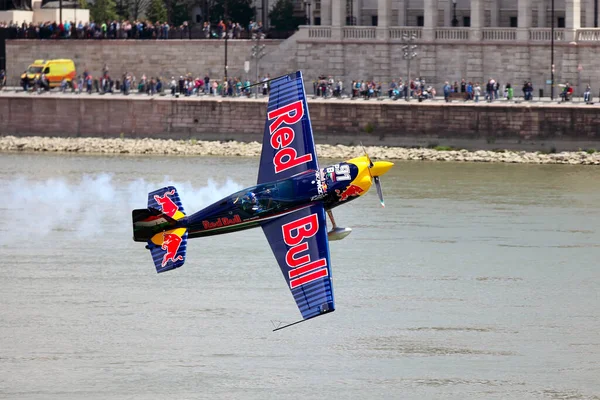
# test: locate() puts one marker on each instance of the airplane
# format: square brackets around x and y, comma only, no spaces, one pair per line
[289,203]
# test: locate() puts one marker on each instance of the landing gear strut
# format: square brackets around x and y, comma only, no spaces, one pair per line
[336,233]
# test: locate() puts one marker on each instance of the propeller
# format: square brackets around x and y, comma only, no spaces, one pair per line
[375,178]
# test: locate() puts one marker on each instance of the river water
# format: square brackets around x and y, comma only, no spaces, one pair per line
[477,281]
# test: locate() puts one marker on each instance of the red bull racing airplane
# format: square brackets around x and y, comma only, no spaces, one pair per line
[289,203]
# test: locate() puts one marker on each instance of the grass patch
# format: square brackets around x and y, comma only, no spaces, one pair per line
[444,148]
[369,127]
[590,151]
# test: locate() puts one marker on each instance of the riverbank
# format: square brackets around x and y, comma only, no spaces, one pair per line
[232,148]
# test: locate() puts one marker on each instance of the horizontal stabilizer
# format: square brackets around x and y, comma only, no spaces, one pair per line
[147,222]
[159,225]
[168,249]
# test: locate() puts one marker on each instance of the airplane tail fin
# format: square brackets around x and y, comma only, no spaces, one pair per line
[158,225]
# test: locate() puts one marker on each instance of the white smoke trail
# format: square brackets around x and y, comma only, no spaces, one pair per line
[91,207]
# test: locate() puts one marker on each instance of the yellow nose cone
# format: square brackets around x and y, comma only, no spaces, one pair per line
[381,167]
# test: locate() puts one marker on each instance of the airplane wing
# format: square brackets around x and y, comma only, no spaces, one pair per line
[299,242]
[288,144]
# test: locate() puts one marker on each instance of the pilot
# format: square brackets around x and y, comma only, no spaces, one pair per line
[251,201]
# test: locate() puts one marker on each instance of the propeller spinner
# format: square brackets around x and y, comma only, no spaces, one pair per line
[376,169]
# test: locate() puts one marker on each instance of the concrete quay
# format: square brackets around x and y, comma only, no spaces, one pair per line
[531,126]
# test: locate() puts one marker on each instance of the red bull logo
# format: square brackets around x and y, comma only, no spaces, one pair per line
[351,191]
[167,205]
[303,269]
[282,137]
[171,243]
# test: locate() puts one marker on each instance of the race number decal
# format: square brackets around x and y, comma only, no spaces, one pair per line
[342,172]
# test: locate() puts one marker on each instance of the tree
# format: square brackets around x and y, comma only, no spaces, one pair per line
[122,9]
[157,11]
[232,10]
[103,10]
[282,16]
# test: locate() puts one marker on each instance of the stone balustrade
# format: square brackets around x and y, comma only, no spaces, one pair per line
[588,35]
[452,33]
[359,32]
[545,34]
[499,34]
[400,32]
[367,33]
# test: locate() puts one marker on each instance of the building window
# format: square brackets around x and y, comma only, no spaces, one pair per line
[467,21]
[317,20]
[373,20]
[514,22]
[561,22]
[420,20]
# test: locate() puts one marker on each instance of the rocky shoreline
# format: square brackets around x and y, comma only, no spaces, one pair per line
[126,146]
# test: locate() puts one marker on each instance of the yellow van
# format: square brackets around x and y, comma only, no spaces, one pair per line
[55,71]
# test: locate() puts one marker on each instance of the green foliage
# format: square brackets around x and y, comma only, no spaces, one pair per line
[103,11]
[232,10]
[82,4]
[443,148]
[282,16]
[179,11]
[590,151]
[369,127]
[157,11]
[122,8]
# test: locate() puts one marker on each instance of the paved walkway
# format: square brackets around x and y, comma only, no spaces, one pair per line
[537,101]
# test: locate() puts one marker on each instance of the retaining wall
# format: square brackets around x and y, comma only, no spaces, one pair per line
[383,123]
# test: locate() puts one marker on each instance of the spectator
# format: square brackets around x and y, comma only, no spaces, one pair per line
[587,95]
[447,90]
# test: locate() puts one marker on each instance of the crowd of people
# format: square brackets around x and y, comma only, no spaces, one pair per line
[128,83]
[367,89]
[323,86]
[138,29]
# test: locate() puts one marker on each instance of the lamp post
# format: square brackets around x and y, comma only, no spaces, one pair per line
[309,17]
[552,54]
[258,52]
[410,52]
[454,19]
[226,38]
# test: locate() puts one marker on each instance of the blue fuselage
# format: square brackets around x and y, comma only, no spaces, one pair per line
[249,207]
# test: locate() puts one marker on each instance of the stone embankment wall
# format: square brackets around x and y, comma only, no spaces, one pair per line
[386,123]
[507,62]
[162,58]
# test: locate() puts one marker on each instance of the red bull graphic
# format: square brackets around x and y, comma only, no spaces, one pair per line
[171,243]
[221,222]
[294,234]
[167,205]
[283,136]
[351,191]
